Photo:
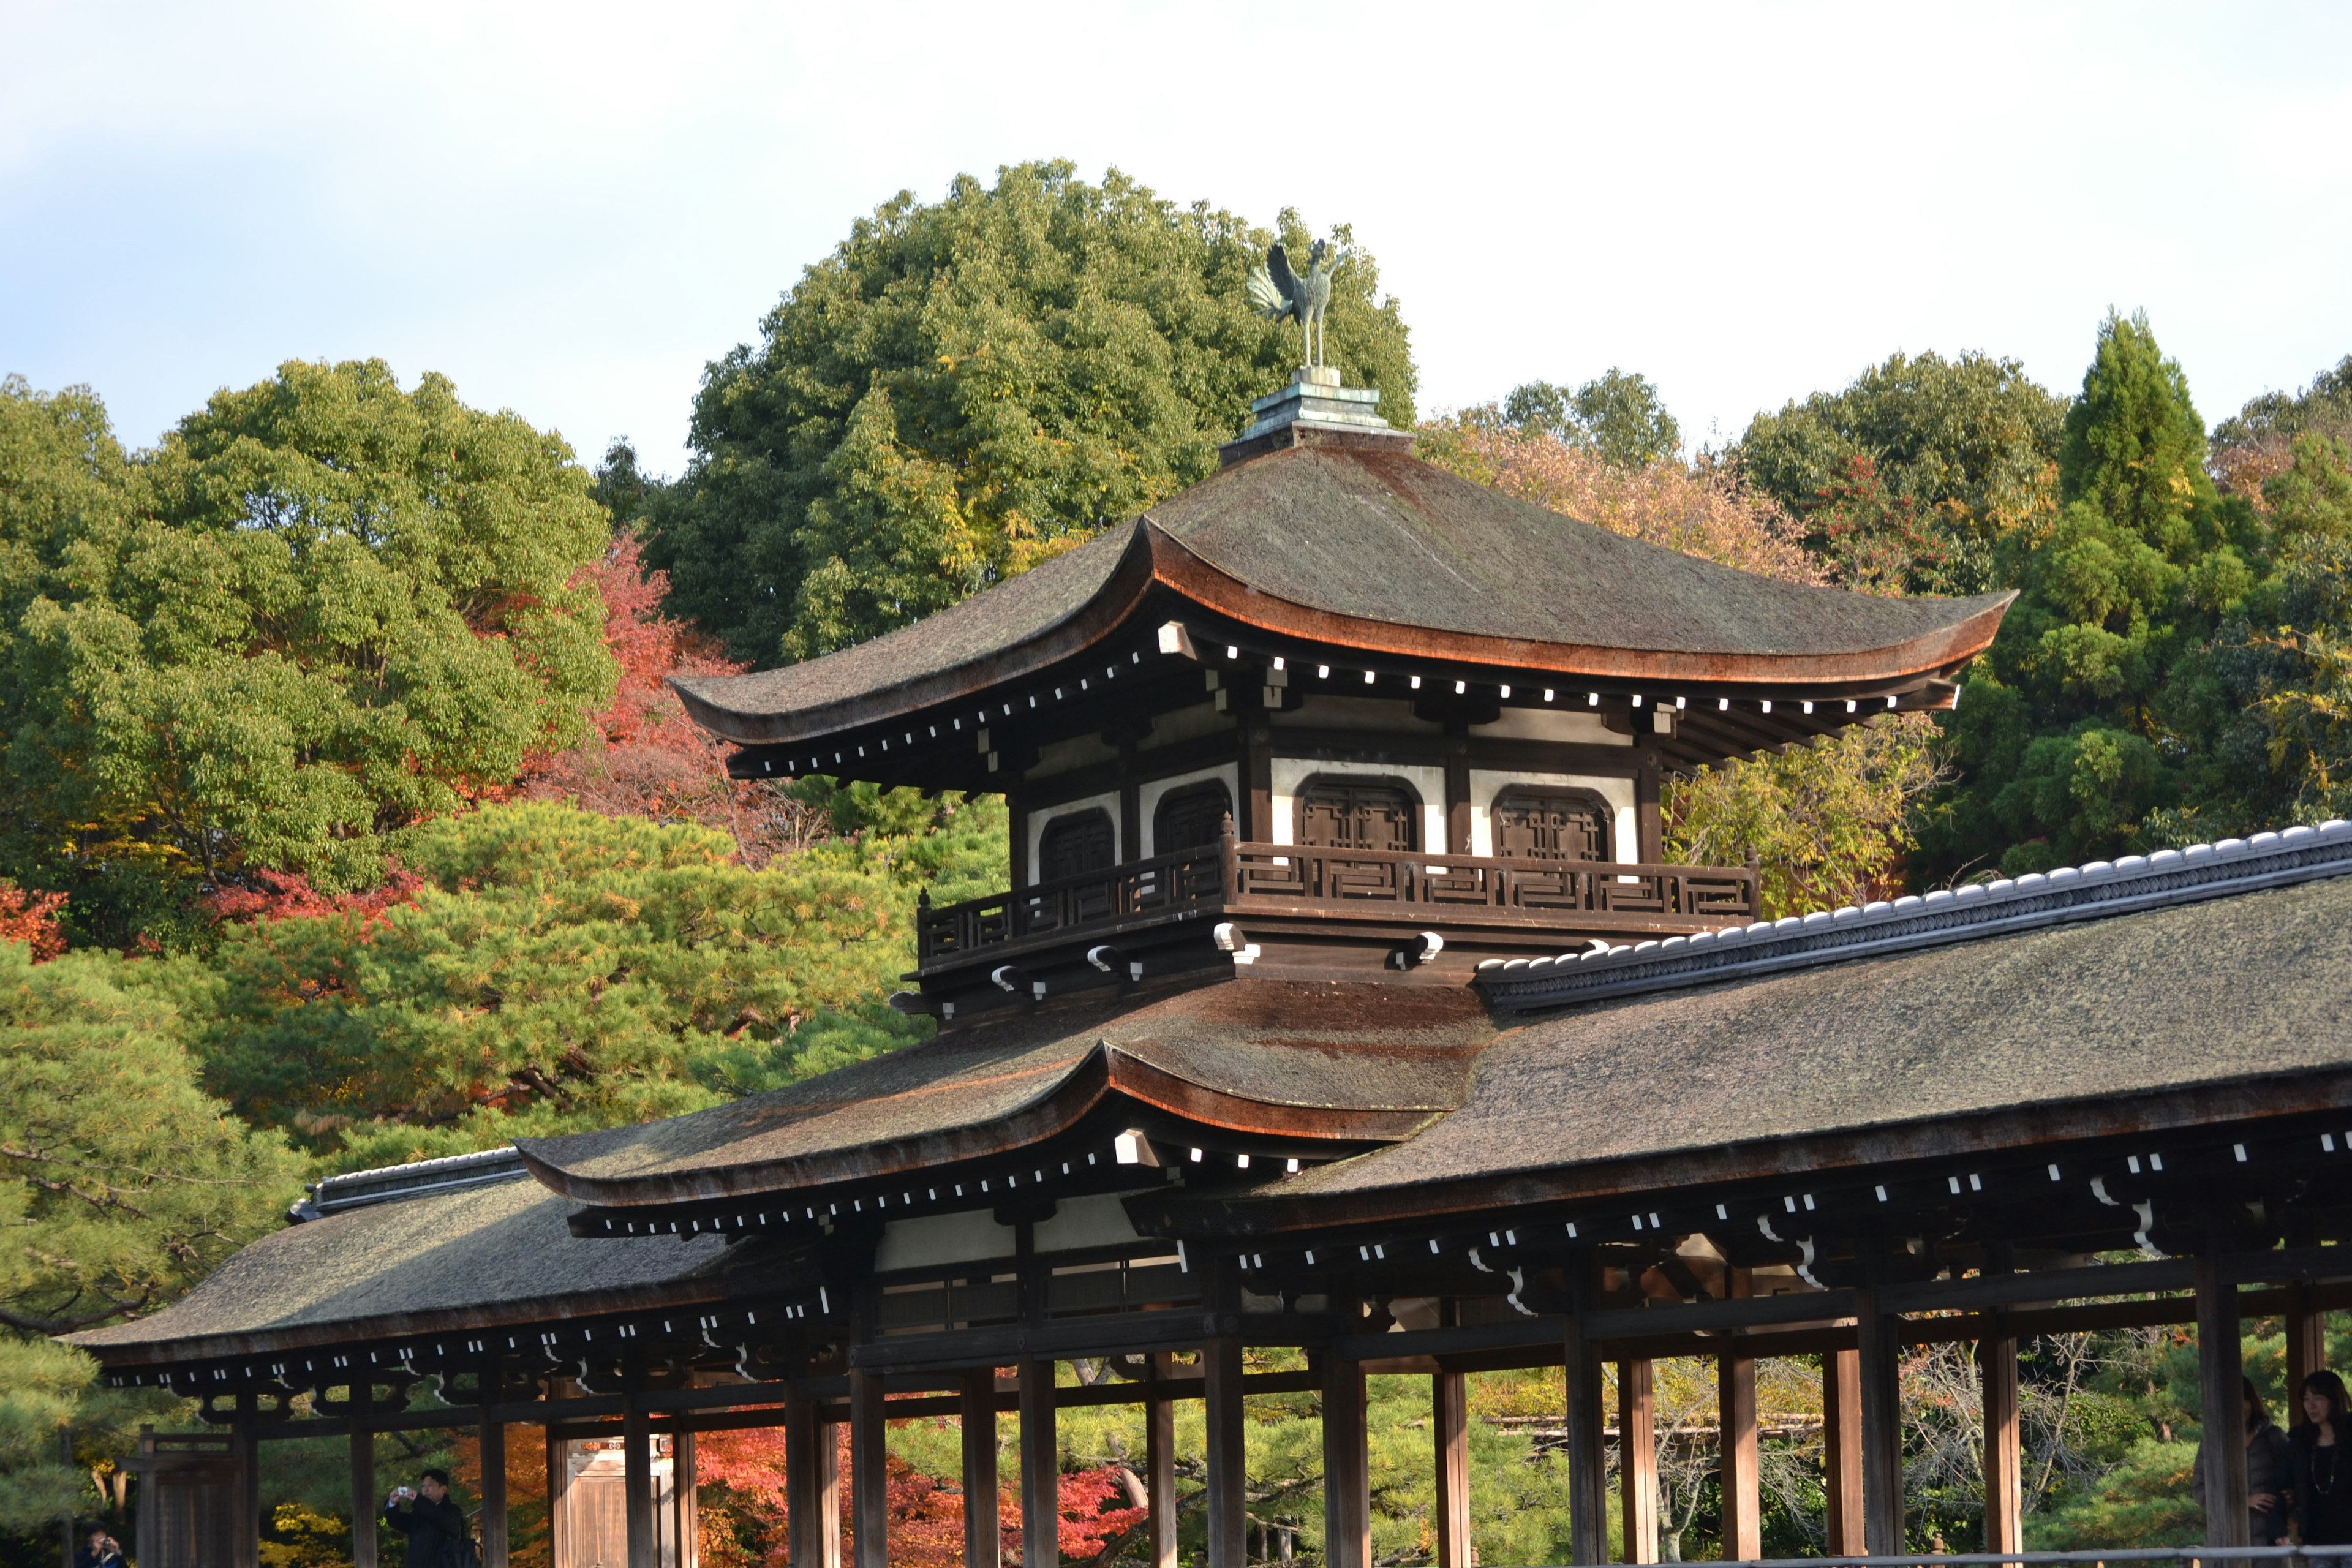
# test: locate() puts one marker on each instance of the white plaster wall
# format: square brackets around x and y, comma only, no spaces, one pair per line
[1485,783]
[1097,1221]
[966,1237]
[1044,817]
[1290,773]
[1148,796]
[1568,725]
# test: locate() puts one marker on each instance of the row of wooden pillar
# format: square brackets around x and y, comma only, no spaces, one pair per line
[1861,1457]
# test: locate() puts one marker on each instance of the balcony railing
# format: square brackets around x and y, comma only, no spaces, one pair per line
[1291,880]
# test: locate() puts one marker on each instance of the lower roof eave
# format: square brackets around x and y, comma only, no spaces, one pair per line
[530,1312]
[2012,1129]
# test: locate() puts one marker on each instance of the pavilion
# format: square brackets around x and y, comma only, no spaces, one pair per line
[1342,998]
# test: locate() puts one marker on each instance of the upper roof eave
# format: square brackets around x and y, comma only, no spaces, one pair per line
[773,707]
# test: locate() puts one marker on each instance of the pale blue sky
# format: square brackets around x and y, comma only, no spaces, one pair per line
[568,210]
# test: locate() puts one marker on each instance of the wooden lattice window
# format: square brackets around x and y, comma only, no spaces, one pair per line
[1191,816]
[1074,845]
[1341,812]
[1532,824]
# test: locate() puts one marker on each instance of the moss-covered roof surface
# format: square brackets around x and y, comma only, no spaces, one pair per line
[1388,541]
[482,1256]
[2222,991]
[989,1086]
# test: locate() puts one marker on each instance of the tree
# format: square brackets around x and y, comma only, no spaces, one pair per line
[324,609]
[555,970]
[2096,703]
[1619,415]
[964,387]
[121,1185]
[1966,449]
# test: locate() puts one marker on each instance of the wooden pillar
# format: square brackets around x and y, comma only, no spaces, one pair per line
[1649,823]
[1018,821]
[2221,1378]
[1588,1461]
[1457,796]
[146,1531]
[1449,1410]
[1228,1476]
[869,1469]
[1347,1467]
[1878,1352]
[366,1507]
[687,1510]
[637,1480]
[1041,1469]
[558,1464]
[1160,1466]
[1743,1510]
[494,1486]
[983,1547]
[812,1486]
[1257,780]
[248,1490]
[2306,1349]
[1841,1450]
[1637,1459]
[2003,1456]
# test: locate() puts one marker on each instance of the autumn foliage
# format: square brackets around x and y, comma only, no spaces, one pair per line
[643,756]
[32,919]
[744,1518]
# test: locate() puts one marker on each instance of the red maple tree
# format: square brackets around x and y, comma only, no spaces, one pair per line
[32,919]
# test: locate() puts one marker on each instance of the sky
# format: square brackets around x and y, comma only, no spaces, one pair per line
[571,210]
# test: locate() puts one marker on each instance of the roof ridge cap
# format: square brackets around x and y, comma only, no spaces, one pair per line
[2094,890]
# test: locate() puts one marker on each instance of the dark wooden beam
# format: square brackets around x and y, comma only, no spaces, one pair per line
[1159,1466]
[1041,1472]
[1587,1479]
[1347,1467]
[1227,1478]
[2220,1380]
[1637,1457]
[982,1545]
[1737,1475]
[2004,1515]
[1449,1411]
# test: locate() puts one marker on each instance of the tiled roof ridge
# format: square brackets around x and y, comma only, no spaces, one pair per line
[417,1179]
[2094,890]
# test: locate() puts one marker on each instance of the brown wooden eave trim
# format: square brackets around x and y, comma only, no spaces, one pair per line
[1984,1133]
[1163,1090]
[1937,655]
[1084,628]
[1056,1110]
[525,1312]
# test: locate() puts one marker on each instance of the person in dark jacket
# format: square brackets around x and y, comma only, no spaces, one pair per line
[99,1552]
[2322,1453]
[2269,1471]
[425,1514]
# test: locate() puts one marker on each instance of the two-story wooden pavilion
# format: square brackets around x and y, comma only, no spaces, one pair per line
[1342,998]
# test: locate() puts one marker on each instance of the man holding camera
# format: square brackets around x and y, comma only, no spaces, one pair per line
[435,1526]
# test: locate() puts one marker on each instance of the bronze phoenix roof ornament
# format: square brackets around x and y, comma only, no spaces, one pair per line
[1279,292]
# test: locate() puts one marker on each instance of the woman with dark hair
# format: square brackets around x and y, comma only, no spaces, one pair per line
[2322,1471]
[2268,1468]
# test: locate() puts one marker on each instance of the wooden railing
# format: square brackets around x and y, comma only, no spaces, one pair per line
[1242,877]
[1288,874]
[1071,904]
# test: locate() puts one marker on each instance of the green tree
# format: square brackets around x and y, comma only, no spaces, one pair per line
[963,387]
[555,970]
[121,1185]
[1618,414]
[324,609]
[1961,449]
[2084,721]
